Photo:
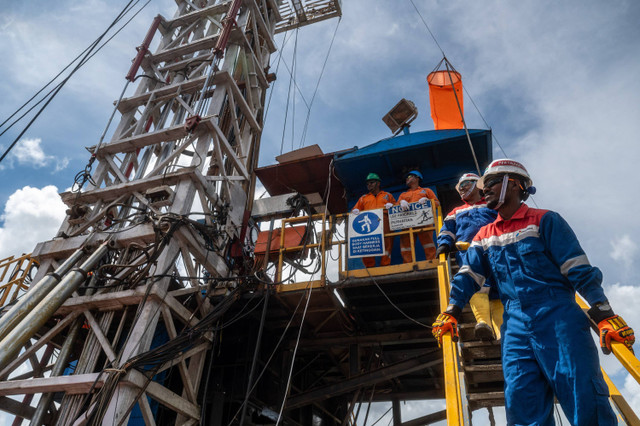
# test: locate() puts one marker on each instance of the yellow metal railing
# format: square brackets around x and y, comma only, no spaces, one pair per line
[324,226]
[628,361]
[456,414]
[13,273]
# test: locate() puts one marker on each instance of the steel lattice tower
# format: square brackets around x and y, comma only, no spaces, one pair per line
[187,142]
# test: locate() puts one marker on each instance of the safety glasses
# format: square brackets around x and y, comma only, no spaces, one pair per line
[498,179]
[491,182]
[464,186]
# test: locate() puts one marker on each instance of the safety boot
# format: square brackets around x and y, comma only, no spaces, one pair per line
[497,311]
[482,311]
[484,331]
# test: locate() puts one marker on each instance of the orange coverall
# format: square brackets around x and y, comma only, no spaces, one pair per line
[425,237]
[370,202]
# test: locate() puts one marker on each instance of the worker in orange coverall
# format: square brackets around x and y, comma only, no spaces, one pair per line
[417,194]
[376,199]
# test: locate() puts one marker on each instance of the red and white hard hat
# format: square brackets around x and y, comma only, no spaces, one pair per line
[505,166]
[466,177]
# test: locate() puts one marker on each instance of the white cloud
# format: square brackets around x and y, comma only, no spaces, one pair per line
[631,391]
[30,215]
[621,298]
[623,250]
[29,152]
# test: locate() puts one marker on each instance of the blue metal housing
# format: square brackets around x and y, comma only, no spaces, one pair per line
[441,155]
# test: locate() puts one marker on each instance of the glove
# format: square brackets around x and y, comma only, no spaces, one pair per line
[404,205]
[388,206]
[611,326]
[423,200]
[614,328]
[443,249]
[355,211]
[447,322]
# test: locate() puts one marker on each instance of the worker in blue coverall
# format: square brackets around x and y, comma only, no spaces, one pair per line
[458,229]
[538,264]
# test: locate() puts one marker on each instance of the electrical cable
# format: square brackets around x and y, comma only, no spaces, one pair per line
[266,364]
[396,306]
[295,351]
[61,72]
[59,87]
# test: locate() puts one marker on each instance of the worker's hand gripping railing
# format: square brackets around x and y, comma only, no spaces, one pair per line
[628,361]
[456,414]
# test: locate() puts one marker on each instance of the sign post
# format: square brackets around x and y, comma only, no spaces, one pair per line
[366,233]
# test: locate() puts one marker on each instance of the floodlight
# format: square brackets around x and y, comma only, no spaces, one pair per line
[400,115]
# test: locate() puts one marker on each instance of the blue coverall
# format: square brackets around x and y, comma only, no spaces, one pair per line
[547,348]
[462,224]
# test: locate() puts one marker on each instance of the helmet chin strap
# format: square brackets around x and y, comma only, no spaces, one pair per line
[466,194]
[503,191]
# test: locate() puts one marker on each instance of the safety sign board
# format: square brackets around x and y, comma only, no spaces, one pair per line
[417,216]
[366,233]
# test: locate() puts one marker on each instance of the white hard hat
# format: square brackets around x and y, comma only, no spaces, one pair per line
[466,177]
[505,166]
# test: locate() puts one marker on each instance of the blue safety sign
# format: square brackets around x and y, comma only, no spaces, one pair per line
[366,234]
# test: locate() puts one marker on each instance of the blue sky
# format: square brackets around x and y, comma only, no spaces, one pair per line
[556,81]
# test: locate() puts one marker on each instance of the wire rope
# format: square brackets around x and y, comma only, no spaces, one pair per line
[306,123]
[294,67]
[428,29]
[286,112]
[382,416]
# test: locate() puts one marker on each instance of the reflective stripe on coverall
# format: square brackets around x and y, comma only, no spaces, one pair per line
[369,202]
[425,237]
[547,347]
[462,224]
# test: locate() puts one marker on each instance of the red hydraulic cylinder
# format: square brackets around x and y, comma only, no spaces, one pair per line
[143,49]
[229,21]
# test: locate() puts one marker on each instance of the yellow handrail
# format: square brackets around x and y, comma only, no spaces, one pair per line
[624,355]
[453,394]
[20,268]
[326,223]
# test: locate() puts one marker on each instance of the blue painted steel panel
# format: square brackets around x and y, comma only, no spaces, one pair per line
[441,155]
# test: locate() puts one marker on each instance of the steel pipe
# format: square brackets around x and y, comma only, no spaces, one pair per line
[35,294]
[10,346]
[58,369]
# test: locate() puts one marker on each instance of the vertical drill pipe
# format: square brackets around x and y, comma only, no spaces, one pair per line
[143,49]
[58,369]
[24,331]
[35,294]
